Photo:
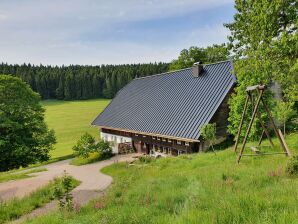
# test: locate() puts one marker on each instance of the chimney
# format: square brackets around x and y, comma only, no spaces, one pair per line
[197,69]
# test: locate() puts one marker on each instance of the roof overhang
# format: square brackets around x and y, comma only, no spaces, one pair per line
[149,134]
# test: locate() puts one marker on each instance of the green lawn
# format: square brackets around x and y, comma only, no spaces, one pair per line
[70,119]
[18,174]
[199,188]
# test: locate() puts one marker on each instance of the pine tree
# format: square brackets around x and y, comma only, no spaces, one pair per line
[60,90]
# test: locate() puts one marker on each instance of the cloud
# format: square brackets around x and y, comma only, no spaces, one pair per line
[93,32]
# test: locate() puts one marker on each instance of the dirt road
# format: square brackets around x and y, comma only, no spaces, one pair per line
[91,179]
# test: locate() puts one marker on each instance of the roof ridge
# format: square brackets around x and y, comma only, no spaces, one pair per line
[178,70]
[164,73]
[218,62]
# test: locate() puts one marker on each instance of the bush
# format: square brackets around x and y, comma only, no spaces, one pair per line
[292,167]
[104,149]
[85,146]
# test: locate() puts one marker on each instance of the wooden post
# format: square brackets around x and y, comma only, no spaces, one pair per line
[284,143]
[241,123]
[260,120]
[274,127]
[261,138]
[250,124]
[265,130]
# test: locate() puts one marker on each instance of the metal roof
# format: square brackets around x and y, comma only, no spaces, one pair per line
[171,104]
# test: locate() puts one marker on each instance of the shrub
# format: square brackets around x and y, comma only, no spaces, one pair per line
[292,167]
[88,151]
[208,132]
[85,145]
[63,193]
[104,149]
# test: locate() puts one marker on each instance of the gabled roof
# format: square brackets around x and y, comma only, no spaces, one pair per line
[172,104]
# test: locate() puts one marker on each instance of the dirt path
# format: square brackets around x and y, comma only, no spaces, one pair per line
[89,175]
[93,182]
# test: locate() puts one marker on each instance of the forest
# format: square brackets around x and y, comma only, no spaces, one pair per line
[78,82]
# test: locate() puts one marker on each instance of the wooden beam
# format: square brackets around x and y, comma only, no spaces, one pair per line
[261,138]
[151,134]
[250,124]
[275,128]
[284,142]
[264,154]
[241,124]
[258,87]
[261,122]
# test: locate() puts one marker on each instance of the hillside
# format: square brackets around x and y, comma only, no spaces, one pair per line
[198,188]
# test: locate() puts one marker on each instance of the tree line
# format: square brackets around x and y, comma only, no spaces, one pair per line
[76,82]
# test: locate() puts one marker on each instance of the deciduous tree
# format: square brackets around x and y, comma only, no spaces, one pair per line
[206,55]
[24,136]
[265,45]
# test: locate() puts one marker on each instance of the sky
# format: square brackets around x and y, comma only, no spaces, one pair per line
[94,32]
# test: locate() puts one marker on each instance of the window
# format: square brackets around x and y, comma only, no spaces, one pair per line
[164,140]
[158,138]
[178,142]
[153,138]
[187,143]
[136,135]
[144,136]
[169,140]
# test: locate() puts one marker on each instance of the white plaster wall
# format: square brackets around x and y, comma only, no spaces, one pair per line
[114,138]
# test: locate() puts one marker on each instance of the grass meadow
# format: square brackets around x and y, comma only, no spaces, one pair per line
[198,188]
[70,119]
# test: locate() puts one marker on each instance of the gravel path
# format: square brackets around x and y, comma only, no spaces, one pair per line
[89,175]
[93,182]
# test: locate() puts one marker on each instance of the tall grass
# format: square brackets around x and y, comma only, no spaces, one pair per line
[199,188]
[15,208]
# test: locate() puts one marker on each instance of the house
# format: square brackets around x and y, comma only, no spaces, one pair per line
[166,111]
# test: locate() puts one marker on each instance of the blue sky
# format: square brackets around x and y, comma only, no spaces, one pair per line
[108,32]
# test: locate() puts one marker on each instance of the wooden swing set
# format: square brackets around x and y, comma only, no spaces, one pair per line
[259,89]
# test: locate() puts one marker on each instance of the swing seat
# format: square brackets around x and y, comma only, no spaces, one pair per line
[255,150]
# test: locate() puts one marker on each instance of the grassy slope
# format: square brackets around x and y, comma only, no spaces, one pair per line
[13,175]
[15,208]
[201,188]
[70,119]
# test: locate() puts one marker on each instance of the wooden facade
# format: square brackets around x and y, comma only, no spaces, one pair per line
[145,143]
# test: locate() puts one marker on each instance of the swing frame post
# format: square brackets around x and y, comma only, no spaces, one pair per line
[250,99]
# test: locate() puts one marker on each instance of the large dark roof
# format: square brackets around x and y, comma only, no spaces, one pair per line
[172,104]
